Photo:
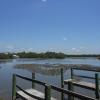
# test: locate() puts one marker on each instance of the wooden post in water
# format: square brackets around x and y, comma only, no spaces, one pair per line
[97,86]
[71,73]
[47,92]
[33,77]
[70,88]
[14,87]
[62,83]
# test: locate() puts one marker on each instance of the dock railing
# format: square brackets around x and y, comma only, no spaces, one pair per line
[47,90]
[96,79]
[14,86]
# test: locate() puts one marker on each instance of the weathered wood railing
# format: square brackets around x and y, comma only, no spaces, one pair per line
[71,93]
[96,79]
[14,85]
[47,89]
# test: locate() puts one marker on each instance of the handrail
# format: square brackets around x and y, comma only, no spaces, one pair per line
[86,69]
[29,93]
[96,79]
[47,93]
[84,76]
[71,93]
[32,80]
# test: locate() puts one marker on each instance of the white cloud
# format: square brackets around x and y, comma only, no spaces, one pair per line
[73,49]
[64,38]
[82,47]
[78,50]
[44,0]
[30,49]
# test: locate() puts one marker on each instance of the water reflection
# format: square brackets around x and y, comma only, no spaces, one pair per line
[3,61]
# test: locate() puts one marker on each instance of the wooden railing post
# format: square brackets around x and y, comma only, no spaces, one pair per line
[33,77]
[14,87]
[62,83]
[70,88]
[71,73]
[97,86]
[47,92]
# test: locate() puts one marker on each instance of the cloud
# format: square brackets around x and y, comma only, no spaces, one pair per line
[30,49]
[64,38]
[73,49]
[44,0]
[78,50]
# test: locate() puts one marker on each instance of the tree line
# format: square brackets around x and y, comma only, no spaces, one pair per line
[32,55]
[41,55]
[45,55]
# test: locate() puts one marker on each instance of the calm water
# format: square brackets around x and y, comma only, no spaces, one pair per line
[7,69]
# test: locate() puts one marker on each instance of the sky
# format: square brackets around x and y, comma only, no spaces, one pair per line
[69,26]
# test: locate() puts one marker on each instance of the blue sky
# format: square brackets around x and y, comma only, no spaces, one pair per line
[69,26]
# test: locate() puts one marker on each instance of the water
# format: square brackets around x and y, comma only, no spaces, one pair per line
[7,69]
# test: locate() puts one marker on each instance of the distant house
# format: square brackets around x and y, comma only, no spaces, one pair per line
[15,56]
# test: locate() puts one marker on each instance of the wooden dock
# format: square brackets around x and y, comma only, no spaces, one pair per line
[31,92]
[83,84]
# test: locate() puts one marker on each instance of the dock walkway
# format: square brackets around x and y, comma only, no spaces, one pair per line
[76,80]
[31,92]
[84,84]
[34,94]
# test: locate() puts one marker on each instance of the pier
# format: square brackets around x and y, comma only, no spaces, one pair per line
[33,94]
[84,84]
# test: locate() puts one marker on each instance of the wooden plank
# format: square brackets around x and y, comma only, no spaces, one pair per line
[80,83]
[87,68]
[32,92]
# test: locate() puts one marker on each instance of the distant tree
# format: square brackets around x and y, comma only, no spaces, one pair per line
[41,55]
[46,55]
[6,56]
